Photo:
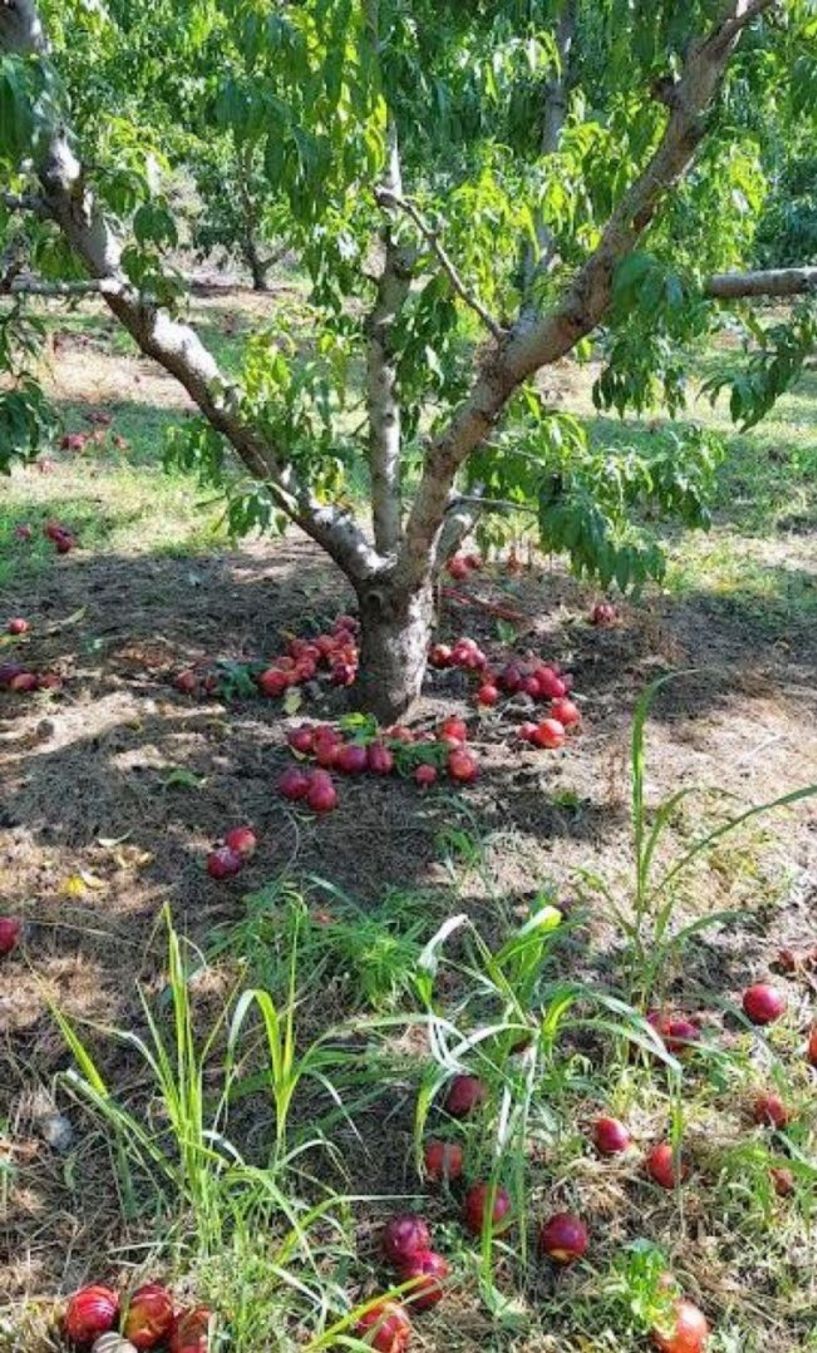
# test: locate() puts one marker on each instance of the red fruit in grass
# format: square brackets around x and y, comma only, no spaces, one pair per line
[679,1035]
[321,795]
[191,1332]
[301,739]
[567,714]
[24,682]
[425,776]
[453,730]
[11,929]
[24,531]
[782,1181]
[610,1136]
[294,784]
[442,1160]
[549,733]
[688,1330]
[664,1167]
[90,1312]
[462,766]
[811,1051]
[224,863]
[465,1093]
[457,568]
[149,1319]
[440,656]
[186,682]
[487,695]
[770,1111]
[352,759]
[476,1214]
[17,625]
[64,542]
[385,1327]
[242,840]
[763,1003]
[564,1238]
[273,682]
[404,1236]
[427,1271]
[474,561]
[379,759]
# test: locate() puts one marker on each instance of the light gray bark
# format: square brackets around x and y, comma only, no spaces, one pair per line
[735,286]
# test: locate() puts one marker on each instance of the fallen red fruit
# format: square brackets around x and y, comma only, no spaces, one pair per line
[443,1161]
[679,1035]
[427,1271]
[404,1236]
[566,713]
[603,613]
[477,1215]
[487,695]
[465,1093]
[527,731]
[242,840]
[610,1136]
[664,1167]
[688,1334]
[385,1327]
[782,1181]
[186,682]
[399,733]
[380,760]
[763,1004]
[90,1312]
[17,625]
[149,1318]
[24,682]
[224,863]
[425,776]
[273,682]
[191,1332]
[352,759]
[462,766]
[564,1238]
[549,733]
[11,929]
[811,1051]
[457,568]
[294,784]
[770,1111]
[549,686]
[440,656]
[453,730]
[24,531]
[301,739]
[321,796]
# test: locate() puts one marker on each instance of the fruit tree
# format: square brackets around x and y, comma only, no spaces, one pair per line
[473,193]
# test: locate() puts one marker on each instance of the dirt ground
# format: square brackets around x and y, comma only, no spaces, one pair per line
[95,837]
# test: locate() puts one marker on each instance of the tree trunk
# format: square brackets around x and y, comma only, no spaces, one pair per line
[396,624]
[258,267]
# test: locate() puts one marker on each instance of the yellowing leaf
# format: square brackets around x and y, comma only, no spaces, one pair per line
[293,700]
[73,886]
[92,881]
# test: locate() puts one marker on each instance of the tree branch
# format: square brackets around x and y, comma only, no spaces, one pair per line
[387,198]
[734,286]
[23,285]
[539,342]
[22,202]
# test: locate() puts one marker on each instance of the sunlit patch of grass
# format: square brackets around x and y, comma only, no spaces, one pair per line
[745,577]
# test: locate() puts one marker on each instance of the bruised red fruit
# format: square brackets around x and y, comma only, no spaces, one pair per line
[549,685]
[379,759]
[510,678]
[301,739]
[763,1004]
[90,1312]
[603,614]
[811,1051]
[566,713]
[385,1327]
[688,1331]
[24,682]
[186,682]
[477,1213]
[462,766]
[610,1136]
[425,776]
[17,625]
[782,1181]
[440,656]
[664,1167]
[352,759]
[527,731]
[273,682]
[294,784]
[346,624]
[679,1035]
[8,671]
[465,1093]
[564,1238]
[442,1160]
[549,733]
[224,863]
[24,531]
[343,674]
[399,733]
[487,695]
[404,1236]
[457,568]
[321,795]
[427,1272]
[11,929]
[149,1319]
[770,1111]
[453,730]
[191,1332]
[242,840]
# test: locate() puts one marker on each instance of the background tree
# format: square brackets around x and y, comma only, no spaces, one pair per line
[474,192]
